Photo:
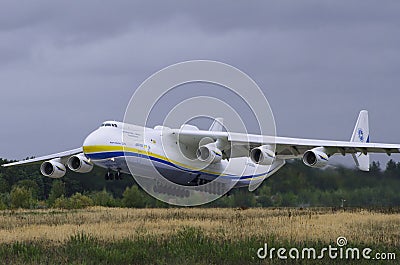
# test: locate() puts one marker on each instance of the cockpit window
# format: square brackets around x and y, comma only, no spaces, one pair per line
[109,125]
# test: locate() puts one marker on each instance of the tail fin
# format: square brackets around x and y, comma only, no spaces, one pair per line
[361,135]
[217,125]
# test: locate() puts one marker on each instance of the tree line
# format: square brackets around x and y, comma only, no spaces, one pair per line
[295,185]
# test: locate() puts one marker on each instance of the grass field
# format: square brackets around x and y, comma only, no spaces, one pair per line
[187,235]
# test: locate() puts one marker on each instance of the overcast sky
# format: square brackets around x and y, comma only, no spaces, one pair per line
[66,66]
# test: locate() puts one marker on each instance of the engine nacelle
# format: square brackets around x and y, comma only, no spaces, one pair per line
[262,155]
[53,169]
[79,163]
[209,153]
[315,158]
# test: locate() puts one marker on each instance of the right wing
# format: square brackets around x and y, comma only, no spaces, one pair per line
[284,146]
[62,155]
[240,144]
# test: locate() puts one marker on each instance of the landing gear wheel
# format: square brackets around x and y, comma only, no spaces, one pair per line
[109,176]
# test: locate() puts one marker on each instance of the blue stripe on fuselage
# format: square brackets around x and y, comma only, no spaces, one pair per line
[109,155]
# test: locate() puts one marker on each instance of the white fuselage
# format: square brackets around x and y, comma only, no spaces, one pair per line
[145,152]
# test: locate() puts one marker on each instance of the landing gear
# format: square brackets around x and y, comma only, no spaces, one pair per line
[118,175]
[111,176]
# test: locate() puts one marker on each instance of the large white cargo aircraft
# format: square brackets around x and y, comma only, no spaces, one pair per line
[193,157]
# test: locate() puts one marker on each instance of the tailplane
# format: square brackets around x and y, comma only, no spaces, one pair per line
[361,135]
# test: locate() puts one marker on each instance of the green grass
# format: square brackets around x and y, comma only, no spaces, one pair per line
[186,246]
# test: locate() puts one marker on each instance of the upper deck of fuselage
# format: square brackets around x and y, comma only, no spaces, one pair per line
[113,135]
[120,125]
[128,126]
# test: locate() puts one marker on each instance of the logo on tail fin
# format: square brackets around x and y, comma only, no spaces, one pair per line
[360,135]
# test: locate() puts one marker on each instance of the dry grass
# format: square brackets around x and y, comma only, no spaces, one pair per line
[111,224]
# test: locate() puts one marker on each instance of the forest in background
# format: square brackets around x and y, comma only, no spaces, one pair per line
[295,185]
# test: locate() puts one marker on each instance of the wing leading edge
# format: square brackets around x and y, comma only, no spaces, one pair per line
[62,155]
[240,145]
[286,145]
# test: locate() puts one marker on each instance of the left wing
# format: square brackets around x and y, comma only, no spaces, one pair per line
[63,156]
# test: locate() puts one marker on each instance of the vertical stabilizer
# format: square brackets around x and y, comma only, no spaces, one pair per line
[361,135]
[217,125]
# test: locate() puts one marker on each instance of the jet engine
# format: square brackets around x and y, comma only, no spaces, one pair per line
[53,169]
[262,155]
[315,158]
[209,153]
[79,163]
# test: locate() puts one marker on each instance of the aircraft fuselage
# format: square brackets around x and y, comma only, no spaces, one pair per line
[146,152]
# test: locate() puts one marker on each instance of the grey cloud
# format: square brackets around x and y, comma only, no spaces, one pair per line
[66,66]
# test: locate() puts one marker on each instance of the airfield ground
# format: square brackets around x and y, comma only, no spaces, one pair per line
[101,235]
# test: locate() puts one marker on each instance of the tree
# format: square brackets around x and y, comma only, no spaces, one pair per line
[243,198]
[4,187]
[264,196]
[391,169]
[4,200]
[103,198]
[133,197]
[79,201]
[76,201]
[30,185]
[290,199]
[375,167]
[57,190]
[21,197]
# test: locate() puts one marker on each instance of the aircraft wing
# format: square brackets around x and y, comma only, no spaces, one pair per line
[297,146]
[284,146]
[62,155]
[240,144]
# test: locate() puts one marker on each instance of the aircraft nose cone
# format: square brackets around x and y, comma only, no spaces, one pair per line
[92,139]
[100,138]
[88,140]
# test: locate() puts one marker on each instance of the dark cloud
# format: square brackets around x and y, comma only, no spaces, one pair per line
[66,66]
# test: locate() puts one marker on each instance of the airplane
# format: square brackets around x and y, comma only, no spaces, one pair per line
[193,158]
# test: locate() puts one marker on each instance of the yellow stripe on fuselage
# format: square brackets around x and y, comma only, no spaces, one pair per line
[112,148]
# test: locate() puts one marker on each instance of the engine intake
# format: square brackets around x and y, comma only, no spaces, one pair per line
[315,158]
[209,153]
[79,163]
[53,169]
[262,155]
